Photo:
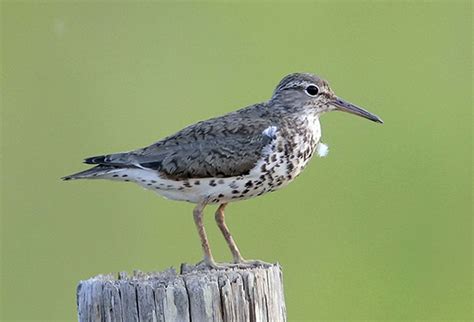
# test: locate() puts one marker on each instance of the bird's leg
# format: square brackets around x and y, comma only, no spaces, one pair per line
[220,220]
[198,214]
[239,261]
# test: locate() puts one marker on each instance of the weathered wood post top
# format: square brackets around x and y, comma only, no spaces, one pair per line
[235,294]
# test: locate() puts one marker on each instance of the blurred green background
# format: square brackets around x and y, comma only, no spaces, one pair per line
[381,229]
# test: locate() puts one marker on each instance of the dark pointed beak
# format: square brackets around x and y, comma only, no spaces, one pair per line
[342,105]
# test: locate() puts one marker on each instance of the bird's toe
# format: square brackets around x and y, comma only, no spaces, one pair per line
[250,263]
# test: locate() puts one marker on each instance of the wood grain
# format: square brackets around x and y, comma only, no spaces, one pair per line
[237,294]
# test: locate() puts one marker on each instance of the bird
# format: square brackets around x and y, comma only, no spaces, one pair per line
[243,154]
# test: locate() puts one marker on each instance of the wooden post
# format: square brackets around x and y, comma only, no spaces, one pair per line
[237,294]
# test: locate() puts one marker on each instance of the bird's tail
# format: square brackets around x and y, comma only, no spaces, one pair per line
[93,173]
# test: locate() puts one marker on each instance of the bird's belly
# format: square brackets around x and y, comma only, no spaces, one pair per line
[217,190]
[209,190]
[195,190]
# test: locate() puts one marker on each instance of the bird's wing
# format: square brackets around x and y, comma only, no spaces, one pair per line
[223,147]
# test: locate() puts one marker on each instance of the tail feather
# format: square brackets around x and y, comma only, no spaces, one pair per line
[92,173]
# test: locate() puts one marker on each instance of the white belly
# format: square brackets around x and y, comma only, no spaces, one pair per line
[208,190]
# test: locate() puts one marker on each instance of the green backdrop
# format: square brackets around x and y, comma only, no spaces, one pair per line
[381,229]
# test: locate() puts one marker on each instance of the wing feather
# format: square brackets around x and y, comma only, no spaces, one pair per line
[227,146]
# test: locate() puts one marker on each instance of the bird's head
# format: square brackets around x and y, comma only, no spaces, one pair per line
[307,91]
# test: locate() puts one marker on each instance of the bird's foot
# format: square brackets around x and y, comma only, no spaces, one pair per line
[209,263]
[249,263]
[242,263]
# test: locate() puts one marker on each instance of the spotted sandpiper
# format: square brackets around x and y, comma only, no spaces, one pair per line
[243,154]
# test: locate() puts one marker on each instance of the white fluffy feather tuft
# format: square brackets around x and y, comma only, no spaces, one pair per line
[270,132]
[322,150]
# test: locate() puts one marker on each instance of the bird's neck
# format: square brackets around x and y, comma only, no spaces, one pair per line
[302,124]
[302,117]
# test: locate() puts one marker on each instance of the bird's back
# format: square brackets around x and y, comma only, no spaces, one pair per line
[219,147]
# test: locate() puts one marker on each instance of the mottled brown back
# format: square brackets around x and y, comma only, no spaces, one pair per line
[225,146]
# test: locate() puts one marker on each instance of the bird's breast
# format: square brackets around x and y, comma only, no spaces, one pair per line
[295,146]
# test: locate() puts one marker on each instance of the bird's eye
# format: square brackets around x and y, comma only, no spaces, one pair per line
[312,90]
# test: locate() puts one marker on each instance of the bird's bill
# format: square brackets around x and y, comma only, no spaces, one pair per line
[342,105]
